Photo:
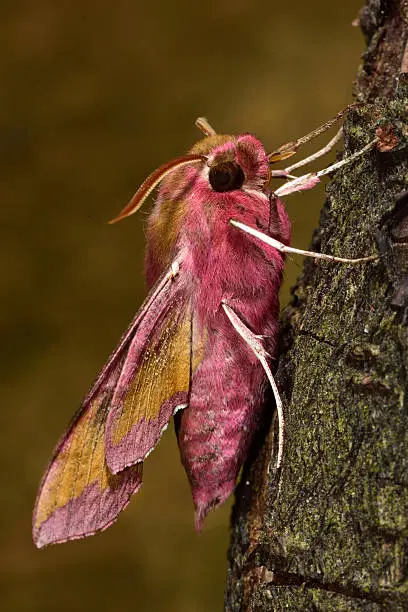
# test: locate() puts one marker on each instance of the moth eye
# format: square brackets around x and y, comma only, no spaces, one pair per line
[226,176]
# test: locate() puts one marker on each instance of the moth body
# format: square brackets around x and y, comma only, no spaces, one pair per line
[225,400]
[180,354]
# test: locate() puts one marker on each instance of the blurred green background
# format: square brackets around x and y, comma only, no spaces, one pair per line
[94,96]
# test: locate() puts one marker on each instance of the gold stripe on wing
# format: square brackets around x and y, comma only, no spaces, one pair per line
[164,372]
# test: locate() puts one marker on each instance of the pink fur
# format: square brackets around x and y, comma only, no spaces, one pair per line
[220,263]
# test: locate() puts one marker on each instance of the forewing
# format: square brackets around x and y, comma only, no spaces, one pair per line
[153,385]
[79,495]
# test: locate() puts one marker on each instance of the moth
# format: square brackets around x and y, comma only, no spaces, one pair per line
[201,345]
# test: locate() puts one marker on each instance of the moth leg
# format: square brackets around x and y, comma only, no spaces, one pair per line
[275,223]
[283,248]
[307,160]
[273,211]
[308,181]
[281,174]
[257,348]
[311,158]
[291,148]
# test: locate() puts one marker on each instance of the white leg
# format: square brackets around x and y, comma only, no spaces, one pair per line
[301,183]
[308,181]
[307,160]
[347,160]
[319,153]
[256,346]
[283,248]
[291,148]
[281,174]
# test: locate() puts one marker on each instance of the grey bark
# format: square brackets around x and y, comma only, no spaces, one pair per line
[335,538]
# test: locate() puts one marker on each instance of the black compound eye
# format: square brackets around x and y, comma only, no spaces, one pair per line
[226,176]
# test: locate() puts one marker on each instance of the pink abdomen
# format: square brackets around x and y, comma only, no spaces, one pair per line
[225,407]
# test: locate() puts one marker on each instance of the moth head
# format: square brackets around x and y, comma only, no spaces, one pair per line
[228,163]
[232,162]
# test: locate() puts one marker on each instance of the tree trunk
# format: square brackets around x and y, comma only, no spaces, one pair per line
[335,537]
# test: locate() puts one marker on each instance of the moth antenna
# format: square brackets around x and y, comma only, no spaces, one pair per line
[205,127]
[152,181]
[291,148]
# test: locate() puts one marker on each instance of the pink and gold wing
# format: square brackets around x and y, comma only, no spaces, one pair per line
[153,386]
[79,495]
[97,465]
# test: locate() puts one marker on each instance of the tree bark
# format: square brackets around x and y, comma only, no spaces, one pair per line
[335,536]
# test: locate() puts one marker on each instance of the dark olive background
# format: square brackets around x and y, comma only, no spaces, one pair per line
[94,96]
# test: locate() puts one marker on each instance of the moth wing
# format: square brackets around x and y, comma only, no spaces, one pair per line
[154,382]
[79,495]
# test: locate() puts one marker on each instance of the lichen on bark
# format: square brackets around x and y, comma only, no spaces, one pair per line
[335,538]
